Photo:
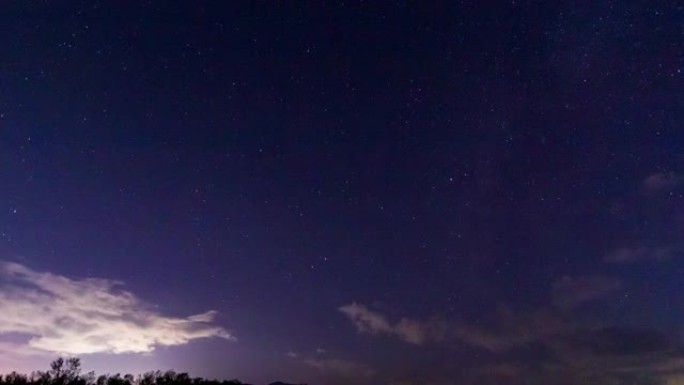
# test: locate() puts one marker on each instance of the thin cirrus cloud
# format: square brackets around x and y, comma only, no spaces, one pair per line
[577,346]
[340,367]
[332,366]
[80,316]
[571,292]
[409,330]
[627,254]
[660,181]
[510,329]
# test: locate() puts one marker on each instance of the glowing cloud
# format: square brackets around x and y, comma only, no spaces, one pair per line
[80,316]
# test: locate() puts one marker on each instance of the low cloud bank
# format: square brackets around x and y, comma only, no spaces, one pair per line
[81,316]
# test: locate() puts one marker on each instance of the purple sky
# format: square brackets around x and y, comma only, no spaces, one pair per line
[349,193]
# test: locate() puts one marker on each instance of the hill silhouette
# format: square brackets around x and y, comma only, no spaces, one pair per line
[68,372]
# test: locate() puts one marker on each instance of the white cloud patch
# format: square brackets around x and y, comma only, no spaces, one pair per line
[407,329]
[569,292]
[81,316]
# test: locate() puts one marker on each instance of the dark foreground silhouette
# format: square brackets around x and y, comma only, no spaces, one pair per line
[68,372]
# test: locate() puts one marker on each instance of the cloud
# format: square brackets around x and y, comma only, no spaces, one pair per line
[511,329]
[620,353]
[547,345]
[582,355]
[568,292]
[660,181]
[339,367]
[80,316]
[365,320]
[508,329]
[620,341]
[674,379]
[332,367]
[639,253]
[409,330]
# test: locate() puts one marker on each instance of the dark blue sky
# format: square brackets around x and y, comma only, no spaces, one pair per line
[395,192]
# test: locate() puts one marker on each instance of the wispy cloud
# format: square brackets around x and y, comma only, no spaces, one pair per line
[633,254]
[511,329]
[339,367]
[569,292]
[574,353]
[333,367]
[507,329]
[407,329]
[576,349]
[618,352]
[660,181]
[673,379]
[79,316]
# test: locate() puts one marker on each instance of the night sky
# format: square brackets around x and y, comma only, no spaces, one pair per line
[395,193]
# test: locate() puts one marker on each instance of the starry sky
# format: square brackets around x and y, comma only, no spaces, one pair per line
[357,192]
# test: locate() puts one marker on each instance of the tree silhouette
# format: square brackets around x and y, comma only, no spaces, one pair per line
[68,372]
[65,372]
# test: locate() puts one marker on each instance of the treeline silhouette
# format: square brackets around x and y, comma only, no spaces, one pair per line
[68,372]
